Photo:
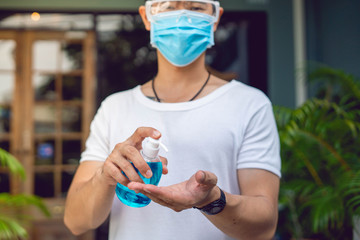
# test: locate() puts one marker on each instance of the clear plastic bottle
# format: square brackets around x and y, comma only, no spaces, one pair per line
[150,153]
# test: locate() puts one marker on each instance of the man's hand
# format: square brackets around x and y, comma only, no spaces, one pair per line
[198,191]
[118,164]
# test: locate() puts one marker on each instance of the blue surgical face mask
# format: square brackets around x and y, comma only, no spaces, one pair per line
[182,36]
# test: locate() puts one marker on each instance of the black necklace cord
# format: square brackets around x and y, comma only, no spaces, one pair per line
[153,88]
[197,94]
[202,88]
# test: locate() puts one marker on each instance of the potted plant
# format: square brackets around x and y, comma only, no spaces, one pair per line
[320,150]
[12,217]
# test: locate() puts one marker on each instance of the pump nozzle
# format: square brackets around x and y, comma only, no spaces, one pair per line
[152,146]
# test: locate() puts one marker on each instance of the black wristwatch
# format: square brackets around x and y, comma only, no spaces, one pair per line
[216,206]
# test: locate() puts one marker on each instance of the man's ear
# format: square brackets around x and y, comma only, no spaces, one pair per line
[221,11]
[142,12]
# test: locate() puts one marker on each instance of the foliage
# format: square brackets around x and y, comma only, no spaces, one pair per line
[8,160]
[320,189]
[12,206]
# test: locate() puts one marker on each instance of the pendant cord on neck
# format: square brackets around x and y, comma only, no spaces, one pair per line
[153,88]
[202,88]
[197,94]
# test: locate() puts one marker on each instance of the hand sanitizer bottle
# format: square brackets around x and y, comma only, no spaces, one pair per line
[150,153]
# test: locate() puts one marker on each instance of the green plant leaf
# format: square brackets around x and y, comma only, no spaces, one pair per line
[20,200]
[326,209]
[8,160]
[11,229]
[320,156]
[327,75]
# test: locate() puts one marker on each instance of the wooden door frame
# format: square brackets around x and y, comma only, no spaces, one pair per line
[22,135]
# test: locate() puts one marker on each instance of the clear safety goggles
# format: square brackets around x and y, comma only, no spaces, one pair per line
[206,7]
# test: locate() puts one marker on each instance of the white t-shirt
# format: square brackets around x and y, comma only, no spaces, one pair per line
[231,128]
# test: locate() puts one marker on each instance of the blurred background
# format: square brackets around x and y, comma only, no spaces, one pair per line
[60,59]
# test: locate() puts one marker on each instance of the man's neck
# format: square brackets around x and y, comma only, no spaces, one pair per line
[170,76]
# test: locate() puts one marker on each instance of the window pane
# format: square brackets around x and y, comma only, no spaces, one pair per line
[44,86]
[72,88]
[45,152]
[71,152]
[7,87]
[4,182]
[71,119]
[72,56]
[6,97]
[5,145]
[44,185]
[66,179]
[108,23]
[5,113]
[4,177]
[46,55]
[44,118]
[7,54]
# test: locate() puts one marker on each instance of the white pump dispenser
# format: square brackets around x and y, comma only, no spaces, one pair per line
[151,149]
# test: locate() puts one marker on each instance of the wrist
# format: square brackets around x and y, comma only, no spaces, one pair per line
[215,206]
[212,196]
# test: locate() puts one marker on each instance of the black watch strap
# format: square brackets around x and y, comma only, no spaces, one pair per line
[216,206]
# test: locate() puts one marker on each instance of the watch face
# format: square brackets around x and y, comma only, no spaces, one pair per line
[215,210]
[216,206]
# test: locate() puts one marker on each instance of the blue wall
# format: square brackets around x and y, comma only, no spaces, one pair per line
[333,38]
[281,53]
[281,87]
[334,33]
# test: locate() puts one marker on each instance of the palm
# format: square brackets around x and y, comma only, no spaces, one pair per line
[178,196]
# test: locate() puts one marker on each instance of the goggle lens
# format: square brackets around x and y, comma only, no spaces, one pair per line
[204,7]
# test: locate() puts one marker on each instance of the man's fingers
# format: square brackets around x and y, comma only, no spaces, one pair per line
[125,163]
[130,172]
[132,153]
[141,133]
[114,172]
[147,189]
[162,196]
[206,178]
[121,157]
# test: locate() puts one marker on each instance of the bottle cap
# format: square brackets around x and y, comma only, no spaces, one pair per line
[152,146]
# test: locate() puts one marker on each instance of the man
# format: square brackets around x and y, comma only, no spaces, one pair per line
[224,148]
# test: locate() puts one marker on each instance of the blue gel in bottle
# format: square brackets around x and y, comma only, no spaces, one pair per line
[133,199]
[150,154]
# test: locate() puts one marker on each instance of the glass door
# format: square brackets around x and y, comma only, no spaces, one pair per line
[62,79]
[57,80]
[47,100]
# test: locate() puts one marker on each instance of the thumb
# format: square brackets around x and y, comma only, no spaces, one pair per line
[206,178]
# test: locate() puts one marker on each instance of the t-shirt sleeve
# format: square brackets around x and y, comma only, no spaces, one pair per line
[97,144]
[260,147]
